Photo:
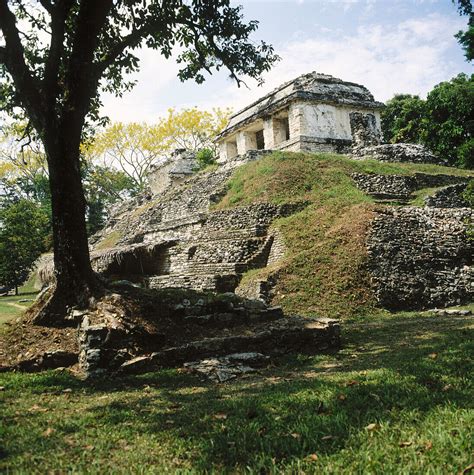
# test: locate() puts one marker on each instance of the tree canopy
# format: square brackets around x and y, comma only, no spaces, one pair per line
[444,122]
[55,59]
[466,37]
[24,227]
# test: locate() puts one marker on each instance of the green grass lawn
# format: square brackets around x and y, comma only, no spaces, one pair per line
[397,398]
[10,305]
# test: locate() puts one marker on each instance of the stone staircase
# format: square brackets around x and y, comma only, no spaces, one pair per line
[200,248]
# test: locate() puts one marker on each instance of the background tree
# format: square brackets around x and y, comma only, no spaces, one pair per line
[449,128]
[402,119]
[24,228]
[193,129]
[444,122]
[103,188]
[134,147]
[466,38]
[70,50]
[24,175]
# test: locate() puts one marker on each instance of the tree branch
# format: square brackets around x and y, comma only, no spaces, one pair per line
[131,40]
[81,84]
[59,15]
[47,5]
[13,58]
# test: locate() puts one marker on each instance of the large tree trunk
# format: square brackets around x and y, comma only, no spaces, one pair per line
[76,282]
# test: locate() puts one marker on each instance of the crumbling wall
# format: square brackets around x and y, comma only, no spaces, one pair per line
[180,165]
[401,187]
[421,257]
[365,129]
[397,152]
[448,197]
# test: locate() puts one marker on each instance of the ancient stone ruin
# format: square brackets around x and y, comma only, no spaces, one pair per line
[174,238]
[311,113]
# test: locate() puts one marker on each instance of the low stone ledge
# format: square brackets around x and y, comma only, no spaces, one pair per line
[286,335]
[401,187]
[398,152]
[48,360]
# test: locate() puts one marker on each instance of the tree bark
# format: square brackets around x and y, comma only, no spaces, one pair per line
[76,282]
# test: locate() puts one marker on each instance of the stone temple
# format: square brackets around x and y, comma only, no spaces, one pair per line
[312,113]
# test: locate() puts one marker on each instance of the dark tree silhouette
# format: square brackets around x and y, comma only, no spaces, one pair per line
[70,50]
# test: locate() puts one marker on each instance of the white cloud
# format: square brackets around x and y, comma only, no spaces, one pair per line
[410,57]
[140,104]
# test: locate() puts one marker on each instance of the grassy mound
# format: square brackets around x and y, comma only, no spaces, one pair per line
[323,271]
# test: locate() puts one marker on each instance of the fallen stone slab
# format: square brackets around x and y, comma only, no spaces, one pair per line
[451,312]
[48,360]
[226,368]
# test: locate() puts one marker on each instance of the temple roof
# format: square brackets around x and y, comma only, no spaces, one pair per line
[312,87]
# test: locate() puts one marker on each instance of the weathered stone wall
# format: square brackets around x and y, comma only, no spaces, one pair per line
[448,197]
[397,152]
[401,187]
[181,165]
[421,257]
[177,240]
[365,129]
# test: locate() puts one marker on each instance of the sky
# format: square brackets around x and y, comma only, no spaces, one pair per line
[390,46]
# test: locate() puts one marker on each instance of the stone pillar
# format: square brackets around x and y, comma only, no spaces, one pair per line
[296,119]
[227,150]
[268,133]
[279,131]
[246,141]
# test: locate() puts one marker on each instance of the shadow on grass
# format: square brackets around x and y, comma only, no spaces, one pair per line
[395,369]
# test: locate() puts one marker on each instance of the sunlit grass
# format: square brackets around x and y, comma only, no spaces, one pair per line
[396,399]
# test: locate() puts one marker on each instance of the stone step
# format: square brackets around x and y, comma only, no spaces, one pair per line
[285,335]
[197,281]
[236,316]
[229,234]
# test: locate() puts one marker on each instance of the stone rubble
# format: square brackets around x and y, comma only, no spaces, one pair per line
[401,187]
[451,312]
[398,152]
[226,368]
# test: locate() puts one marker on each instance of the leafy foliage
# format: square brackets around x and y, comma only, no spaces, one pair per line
[444,122]
[466,37]
[134,147]
[205,157]
[193,129]
[24,175]
[450,118]
[24,227]
[402,119]
[74,50]
[103,187]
